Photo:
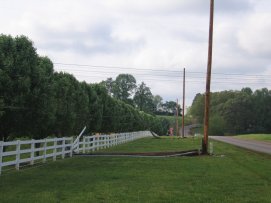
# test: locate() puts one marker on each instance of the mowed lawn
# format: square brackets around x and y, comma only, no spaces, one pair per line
[232,175]
[259,137]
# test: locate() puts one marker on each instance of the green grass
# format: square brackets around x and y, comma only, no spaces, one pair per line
[237,176]
[260,137]
[166,143]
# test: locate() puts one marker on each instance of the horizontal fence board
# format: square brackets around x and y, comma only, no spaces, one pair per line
[9,163]
[25,160]
[10,153]
[24,151]
[9,143]
[26,141]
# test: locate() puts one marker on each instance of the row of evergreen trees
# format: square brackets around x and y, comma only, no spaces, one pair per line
[37,102]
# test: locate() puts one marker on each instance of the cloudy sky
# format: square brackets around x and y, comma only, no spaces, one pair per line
[151,39]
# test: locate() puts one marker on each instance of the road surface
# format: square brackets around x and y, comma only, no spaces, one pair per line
[258,146]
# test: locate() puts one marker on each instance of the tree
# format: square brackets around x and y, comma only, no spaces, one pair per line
[157,102]
[197,108]
[108,84]
[262,110]
[238,113]
[65,87]
[144,99]
[169,107]
[18,60]
[123,87]
[1,107]
[40,117]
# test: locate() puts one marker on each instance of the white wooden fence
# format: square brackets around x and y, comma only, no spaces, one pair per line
[19,152]
[96,142]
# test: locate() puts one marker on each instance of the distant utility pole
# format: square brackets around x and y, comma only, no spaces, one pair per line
[208,81]
[183,102]
[177,118]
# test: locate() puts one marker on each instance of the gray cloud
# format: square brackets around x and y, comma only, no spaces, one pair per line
[96,40]
[152,34]
[233,6]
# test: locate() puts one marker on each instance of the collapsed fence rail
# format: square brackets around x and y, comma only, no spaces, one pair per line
[17,153]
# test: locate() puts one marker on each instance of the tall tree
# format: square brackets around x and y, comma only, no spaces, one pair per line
[123,87]
[108,84]
[144,99]
[41,100]
[169,107]
[65,87]
[157,101]
[18,60]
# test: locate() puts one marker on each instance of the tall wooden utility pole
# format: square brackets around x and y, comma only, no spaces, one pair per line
[177,118]
[208,81]
[183,103]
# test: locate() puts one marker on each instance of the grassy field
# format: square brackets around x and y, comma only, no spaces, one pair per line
[260,137]
[164,144]
[232,175]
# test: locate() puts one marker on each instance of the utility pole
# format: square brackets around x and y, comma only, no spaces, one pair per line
[177,118]
[183,103]
[208,81]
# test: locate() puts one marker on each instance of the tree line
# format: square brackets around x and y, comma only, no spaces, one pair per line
[124,88]
[37,102]
[236,112]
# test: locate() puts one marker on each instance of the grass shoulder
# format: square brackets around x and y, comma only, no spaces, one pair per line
[259,137]
[232,175]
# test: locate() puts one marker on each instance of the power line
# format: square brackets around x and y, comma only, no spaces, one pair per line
[116,67]
[157,70]
[190,80]
[155,75]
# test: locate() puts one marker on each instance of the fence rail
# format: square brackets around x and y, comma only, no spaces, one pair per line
[17,153]
[96,142]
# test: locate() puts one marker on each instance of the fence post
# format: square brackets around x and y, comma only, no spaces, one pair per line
[84,145]
[63,148]
[32,155]
[17,166]
[71,147]
[55,149]
[1,157]
[93,143]
[44,150]
[98,143]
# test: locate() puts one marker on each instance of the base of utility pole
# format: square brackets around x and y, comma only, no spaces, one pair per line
[204,147]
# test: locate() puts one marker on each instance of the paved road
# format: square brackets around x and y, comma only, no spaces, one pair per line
[258,146]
